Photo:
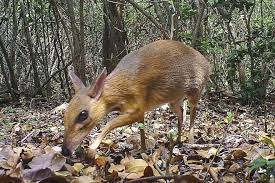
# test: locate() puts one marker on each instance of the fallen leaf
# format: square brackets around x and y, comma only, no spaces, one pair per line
[174,169]
[26,156]
[85,179]
[188,178]
[101,161]
[239,153]
[148,171]
[207,153]
[55,179]
[128,176]
[78,167]
[52,161]
[136,166]
[8,179]
[113,177]
[63,173]
[235,167]
[229,178]
[118,168]
[89,171]
[37,174]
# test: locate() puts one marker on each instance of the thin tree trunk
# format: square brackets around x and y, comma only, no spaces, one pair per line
[36,79]
[13,81]
[197,29]
[5,75]
[78,55]
[114,36]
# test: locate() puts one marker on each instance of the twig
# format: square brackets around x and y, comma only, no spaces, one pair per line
[153,178]
[27,136]
[158,169]
[199,146]
[152,19]
[56,72]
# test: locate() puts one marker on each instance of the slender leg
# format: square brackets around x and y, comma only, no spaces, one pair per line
[192,120]
[193,100]
[142,136]
[125,118]
[177,108]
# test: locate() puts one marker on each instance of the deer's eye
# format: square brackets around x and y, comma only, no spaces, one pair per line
[83,115]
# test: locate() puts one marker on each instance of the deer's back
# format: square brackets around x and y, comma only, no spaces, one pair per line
[162,71]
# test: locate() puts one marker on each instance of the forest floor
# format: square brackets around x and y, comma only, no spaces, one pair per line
[231,145]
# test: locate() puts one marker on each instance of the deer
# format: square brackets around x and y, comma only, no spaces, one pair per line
[161,72]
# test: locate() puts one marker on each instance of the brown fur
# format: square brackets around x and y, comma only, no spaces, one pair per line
[161,72]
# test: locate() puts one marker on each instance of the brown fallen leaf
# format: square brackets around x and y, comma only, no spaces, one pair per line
[148,171]
[188,178]
[26,156]
[229,178]
[174,169]
[55,179]
[235,167]
[207,153]
[113,177]
[117,168]
[8,179]
[128,176]
[85,179]
[16,172]
[101,161]
[238,153]
[136,166]
[213,172]
[176,159]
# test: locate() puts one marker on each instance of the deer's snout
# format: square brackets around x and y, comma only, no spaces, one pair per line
[65,151]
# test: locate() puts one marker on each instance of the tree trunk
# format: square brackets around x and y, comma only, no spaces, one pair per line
[197,29]
[36,79]
[78,55]
[114,36]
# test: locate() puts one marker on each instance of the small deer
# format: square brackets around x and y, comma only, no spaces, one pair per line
[161,72]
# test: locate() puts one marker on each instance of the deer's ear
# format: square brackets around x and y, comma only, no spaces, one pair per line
[77,83]
[96,89]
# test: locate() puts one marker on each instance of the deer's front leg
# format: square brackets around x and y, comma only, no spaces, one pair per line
[126,118]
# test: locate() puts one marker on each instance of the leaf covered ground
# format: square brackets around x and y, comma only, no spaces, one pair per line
[231,146]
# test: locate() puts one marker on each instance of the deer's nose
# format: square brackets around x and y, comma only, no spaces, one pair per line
[65,151]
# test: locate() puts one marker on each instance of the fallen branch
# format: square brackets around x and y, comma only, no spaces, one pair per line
[199,146]
[27,136]
[166,177]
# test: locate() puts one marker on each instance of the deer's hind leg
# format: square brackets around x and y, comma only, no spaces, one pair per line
[193,102]
[176,107]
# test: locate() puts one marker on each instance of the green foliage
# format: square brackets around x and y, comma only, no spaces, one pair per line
[239,4]
[141,125]
[229,117]
[267,167]
[186,11]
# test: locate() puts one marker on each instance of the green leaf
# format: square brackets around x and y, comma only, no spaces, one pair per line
[141,126]
[271,164]
[229,117]
[257,163]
